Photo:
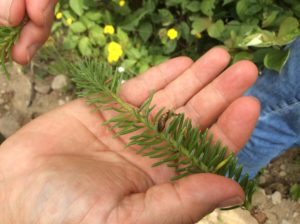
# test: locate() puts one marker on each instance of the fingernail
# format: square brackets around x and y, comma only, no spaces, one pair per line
[5,8]
[31,51]
[235,201]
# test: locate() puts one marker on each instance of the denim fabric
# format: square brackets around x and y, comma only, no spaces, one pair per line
[278,127]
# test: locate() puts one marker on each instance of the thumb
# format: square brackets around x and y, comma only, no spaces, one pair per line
[186,201]
[11,12]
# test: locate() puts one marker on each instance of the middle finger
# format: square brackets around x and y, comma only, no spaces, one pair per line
[206,106]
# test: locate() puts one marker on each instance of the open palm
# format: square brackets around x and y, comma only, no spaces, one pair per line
[66,167]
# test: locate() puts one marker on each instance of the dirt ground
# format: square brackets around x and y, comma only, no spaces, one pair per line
[26,96]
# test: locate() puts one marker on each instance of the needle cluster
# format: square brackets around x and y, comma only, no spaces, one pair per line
[8,37]
[176,144]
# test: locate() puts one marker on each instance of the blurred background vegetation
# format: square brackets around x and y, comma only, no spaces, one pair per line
[135,34]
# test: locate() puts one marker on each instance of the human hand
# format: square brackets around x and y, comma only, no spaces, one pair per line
[36,30]
[66,167]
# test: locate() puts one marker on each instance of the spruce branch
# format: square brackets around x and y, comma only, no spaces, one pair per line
[8,37]
[177,145]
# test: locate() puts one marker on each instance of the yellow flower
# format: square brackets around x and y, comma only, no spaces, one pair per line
[122,3]
[59,15]
[172,34]
[198,35]
[115,51]
[69,21]
[112,58]
[109,29]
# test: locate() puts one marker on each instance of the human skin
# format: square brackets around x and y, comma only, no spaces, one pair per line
[66,167]
[35,32]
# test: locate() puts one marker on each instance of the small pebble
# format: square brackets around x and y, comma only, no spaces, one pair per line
[61,102]
[2,101]
[282,173]
[282,167]
[59,82]
[6,107]
[260,217]
[285,222]
[259,197]
[262,179]
[276,198]
[43,89]
[68,99]
[295,214]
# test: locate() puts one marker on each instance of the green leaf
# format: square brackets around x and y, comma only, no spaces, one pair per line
[85,46]
[166,17]
[288,26]
[132,21]
[207,7]
[247,9]
[226,2]
[87,22]
[78,27]
[57,8]
[94,16]
[97,36]
[143,67]
[123,37]
[145,31]
[263,38]
[158,59]
[269,19]
[70,42]
[185,31]
[194,6]
[173,2]
[200,24]
[134,53]
[275,59]
[244,55]
[259,55]
[170,47]
[77,6]
[129,63]
[216,29]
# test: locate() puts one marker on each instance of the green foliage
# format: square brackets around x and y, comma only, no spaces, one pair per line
[295,192]
[177,145]
[249,29]
[8,36]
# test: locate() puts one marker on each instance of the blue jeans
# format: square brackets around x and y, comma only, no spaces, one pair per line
[278,127]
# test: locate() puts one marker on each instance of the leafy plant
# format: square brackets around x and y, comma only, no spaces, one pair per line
[177,145]
[256,30]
